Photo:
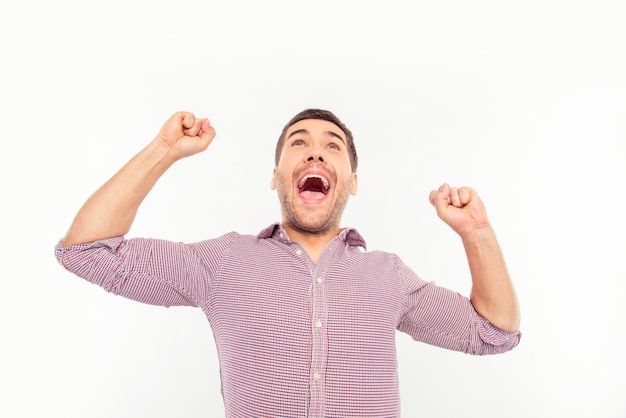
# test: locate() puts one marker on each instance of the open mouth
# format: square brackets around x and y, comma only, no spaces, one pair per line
[313,186]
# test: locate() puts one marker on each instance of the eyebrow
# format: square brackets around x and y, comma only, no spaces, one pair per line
[305,132]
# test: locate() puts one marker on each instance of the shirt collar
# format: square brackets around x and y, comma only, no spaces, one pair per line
[349,235]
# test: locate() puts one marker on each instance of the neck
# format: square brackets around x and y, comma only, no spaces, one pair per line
[313,242]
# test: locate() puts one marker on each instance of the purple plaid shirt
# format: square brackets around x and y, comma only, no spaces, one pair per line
[294,338]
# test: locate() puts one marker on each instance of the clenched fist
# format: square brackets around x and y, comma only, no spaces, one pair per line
[460,208]
[186,135]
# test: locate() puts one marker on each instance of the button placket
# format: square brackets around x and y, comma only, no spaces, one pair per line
[320,345]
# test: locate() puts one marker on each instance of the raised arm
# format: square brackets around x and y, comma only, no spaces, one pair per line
[110,211]
[493,294]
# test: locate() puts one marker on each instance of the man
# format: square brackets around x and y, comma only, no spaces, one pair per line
[304,319]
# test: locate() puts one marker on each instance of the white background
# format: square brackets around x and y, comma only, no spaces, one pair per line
[524,101]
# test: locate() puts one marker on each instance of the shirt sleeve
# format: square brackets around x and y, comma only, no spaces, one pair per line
[156,272]
[441,317]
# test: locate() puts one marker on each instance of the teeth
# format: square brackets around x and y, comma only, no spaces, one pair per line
[314,176]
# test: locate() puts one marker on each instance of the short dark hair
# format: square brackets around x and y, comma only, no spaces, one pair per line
[322,115]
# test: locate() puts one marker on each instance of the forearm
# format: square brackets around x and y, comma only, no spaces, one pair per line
[110,211]
[493,294]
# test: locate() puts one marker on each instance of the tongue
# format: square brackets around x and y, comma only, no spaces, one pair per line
[312,195]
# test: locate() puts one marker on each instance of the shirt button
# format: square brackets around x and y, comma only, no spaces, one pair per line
[320,280]
[281,235]
[316,376]
[298,252]
[318,323]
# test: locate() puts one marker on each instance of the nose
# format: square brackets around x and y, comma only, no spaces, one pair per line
[314,154]
[317,157]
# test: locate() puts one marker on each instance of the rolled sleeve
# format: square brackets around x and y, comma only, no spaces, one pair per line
[447,319]
[151,271]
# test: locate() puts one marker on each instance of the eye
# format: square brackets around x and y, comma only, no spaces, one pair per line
[297,143]
[333,146]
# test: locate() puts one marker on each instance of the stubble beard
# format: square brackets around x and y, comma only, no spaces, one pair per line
[311,222]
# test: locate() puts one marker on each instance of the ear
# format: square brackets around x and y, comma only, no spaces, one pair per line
[355,187]
[273,183]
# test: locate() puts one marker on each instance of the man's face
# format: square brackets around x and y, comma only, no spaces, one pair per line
[314,178]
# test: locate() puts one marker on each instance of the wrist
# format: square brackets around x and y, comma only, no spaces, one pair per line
[478,236]
[161,154]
